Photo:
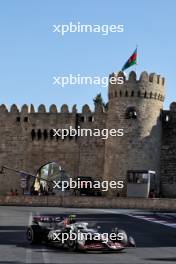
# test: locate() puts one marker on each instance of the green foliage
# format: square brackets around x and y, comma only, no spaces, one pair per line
[98,100]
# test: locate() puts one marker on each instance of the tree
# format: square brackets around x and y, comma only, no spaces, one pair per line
[98,100]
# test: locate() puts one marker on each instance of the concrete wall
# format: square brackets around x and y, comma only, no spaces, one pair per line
[156,204]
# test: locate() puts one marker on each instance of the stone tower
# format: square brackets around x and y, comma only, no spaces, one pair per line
[135,106]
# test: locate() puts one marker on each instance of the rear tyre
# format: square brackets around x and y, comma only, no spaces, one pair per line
[71,245]
[34,235]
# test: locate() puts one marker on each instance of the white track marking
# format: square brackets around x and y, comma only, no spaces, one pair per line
[153,220]
[45,257]
[143,217]
[29,250]
[28,256]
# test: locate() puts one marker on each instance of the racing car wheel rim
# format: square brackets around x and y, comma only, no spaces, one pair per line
[71,245]
[29,235]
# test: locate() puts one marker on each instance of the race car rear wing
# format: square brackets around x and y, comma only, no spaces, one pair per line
[47,219]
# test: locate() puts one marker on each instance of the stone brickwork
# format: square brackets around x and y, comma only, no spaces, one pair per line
[139,148]
[168,152]
[27,142]
[156,204]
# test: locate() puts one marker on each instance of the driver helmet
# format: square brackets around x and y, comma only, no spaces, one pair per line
[72,219]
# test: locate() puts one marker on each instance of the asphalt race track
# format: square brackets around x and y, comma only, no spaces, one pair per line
[156,243]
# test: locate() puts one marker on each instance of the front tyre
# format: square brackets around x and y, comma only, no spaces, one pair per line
[122,237]
[131,242]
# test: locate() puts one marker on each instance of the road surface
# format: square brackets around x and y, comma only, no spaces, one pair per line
[155,236]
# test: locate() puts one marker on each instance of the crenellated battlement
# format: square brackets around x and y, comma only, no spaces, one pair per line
[169,117]
[64,109]
[173,107]
[144,77]
[28,137]
[149,86]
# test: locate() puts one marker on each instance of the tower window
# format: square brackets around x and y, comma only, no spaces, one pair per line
[18,119]
[90,118]
[51,134]
[167,118]
[33,134]
[131,113]
[25,119]
[82,119]
[45,134]
[39,134]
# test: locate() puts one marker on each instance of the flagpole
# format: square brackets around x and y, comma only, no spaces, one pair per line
[136,59]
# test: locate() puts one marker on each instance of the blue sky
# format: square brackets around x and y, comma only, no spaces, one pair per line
[31,54]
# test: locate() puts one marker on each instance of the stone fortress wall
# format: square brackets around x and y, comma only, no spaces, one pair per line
[139,148]
[27,142]
[168,152]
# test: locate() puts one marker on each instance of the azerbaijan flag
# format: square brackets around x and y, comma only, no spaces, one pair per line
[131,61]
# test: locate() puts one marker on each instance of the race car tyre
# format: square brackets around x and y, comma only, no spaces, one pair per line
[71,245]
[131,242]
[33,235]
[124,236]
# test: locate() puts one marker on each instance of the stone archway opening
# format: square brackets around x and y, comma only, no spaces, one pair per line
[49,179]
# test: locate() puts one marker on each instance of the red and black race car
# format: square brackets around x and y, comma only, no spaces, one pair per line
[73,235]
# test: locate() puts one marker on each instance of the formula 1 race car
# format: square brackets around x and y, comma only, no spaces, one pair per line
[72,235]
